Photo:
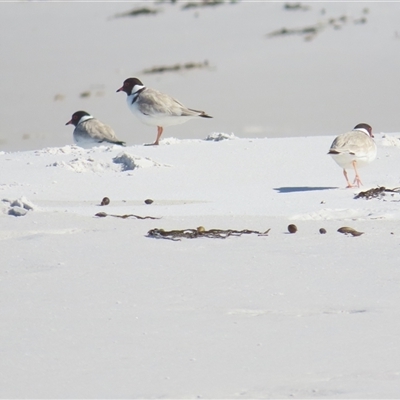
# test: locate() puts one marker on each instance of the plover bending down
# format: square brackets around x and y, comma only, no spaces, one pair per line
[89,131]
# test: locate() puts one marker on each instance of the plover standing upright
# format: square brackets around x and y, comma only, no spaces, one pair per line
[354,149]
[155,108]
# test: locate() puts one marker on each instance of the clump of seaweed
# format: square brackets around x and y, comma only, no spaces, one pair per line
[376,193]
[124,216]
[203,3]
[200,231]
[175,67]
[310,32]
[138,11]
[295,7]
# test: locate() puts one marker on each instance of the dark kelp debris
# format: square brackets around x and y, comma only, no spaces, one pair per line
[176,235]
[377,192]
[176,67]
[138,11]
[103,214]
[310,32]
[295,7]
[203,3]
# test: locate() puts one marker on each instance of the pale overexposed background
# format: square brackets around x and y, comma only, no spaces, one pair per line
[255,86]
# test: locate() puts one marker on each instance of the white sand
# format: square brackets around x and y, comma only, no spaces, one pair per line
[92,308]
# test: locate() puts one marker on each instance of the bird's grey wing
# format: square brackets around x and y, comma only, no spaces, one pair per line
[100,131]
[153,102]
[353,142]
[339,143]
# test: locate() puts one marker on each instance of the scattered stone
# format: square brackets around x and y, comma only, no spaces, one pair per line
[17,211]
[85,94]
[292,228]
[349,231]
[130,162]
[322,231]
[22,203]
[149,201]
[105,201]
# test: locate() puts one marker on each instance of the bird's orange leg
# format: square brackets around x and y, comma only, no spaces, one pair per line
[357,179]
[159,133]
[349,185]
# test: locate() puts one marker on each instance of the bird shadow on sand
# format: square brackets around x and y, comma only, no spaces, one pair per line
[291,189]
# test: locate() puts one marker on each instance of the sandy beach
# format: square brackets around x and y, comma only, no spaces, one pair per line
[96,307]
[186,283]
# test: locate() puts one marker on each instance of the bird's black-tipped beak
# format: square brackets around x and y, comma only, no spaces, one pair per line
[69,122]
[120,89]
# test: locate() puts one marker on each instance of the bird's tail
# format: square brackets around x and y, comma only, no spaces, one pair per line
[118,142]
[201,113]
